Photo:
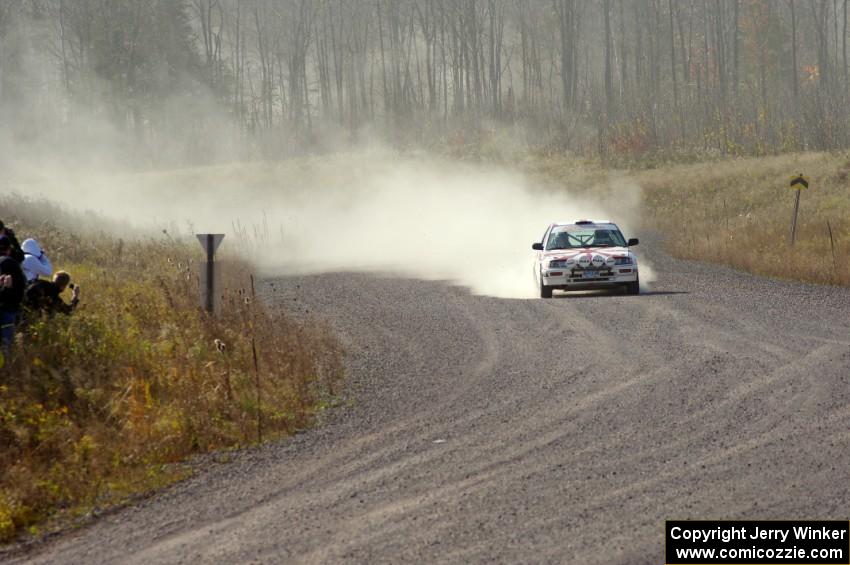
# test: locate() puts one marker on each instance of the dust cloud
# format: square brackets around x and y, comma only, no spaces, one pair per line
[373,210]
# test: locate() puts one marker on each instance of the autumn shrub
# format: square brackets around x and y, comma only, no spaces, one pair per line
[101,404]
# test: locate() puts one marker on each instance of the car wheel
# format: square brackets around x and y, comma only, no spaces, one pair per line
[633,287]
[545,291]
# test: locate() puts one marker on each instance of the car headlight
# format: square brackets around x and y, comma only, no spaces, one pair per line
[560,264]
[624,261]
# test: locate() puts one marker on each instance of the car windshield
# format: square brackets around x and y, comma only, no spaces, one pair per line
[576,237]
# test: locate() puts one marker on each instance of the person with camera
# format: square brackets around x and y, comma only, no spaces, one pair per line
[46,296]
[17,253]
[36,263]
[12,285]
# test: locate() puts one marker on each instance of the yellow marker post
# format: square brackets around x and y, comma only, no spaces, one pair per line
[798,183]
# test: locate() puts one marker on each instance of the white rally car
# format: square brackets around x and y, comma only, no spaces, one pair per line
[585,254]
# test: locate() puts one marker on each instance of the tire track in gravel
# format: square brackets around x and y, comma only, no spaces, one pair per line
[489,430]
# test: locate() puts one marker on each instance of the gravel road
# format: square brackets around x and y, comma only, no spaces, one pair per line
[492,430]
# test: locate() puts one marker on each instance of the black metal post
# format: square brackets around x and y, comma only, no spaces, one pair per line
[210,274]
[794,218]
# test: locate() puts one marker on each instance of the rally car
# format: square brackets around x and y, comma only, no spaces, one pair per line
[585,254]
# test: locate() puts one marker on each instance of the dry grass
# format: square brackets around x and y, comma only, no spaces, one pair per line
[97,406]
[738,212]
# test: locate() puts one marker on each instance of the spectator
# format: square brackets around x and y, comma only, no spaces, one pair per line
[12,285]
[17,253]
[36,263]
[45,296]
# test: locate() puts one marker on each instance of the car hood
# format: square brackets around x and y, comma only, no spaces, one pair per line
[570,253]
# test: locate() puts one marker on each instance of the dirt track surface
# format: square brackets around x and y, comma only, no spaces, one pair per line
[564,430]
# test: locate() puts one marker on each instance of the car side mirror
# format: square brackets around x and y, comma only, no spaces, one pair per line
[633,241]
[537,246]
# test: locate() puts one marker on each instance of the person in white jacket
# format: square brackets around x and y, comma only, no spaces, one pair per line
[36,263]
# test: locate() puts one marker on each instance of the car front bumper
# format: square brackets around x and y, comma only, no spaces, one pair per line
[576,280]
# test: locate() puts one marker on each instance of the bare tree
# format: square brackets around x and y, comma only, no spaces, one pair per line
[701,75]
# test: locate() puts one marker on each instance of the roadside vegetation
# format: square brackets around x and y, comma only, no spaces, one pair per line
[104,404]
[738,212]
